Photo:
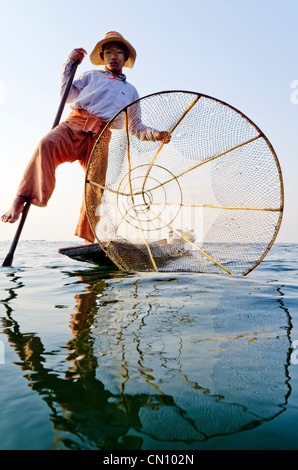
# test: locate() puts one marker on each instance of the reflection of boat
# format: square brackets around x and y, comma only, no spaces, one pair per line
[146,368]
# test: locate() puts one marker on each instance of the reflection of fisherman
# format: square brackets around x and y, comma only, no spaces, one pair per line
[95,98]
[90,416]
[108,396]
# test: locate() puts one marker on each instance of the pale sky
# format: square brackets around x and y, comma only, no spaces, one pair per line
[241,52]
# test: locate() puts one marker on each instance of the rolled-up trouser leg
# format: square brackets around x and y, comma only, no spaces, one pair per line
[62,144]
[94,194]
[67,142]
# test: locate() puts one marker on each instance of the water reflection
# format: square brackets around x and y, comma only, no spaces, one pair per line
[171,360]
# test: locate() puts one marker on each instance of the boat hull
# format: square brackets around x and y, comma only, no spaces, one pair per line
[92,253]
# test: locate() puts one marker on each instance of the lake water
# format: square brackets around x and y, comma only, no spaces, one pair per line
[93,358]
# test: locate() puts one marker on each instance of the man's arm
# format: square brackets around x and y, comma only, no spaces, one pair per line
[76,54]
[140,130]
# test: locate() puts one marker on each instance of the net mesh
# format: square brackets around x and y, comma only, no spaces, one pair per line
[210,200]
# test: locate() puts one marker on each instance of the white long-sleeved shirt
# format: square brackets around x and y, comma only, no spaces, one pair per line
[102,94]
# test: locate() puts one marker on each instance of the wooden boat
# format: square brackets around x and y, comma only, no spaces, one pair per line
[162,251]
[92,253]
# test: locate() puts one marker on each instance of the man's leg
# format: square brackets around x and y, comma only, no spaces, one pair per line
[94,194]
[62,144]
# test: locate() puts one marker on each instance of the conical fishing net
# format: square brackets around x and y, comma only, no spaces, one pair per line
[209,200]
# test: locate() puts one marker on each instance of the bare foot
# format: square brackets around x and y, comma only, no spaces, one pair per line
[87,242]
[16,209]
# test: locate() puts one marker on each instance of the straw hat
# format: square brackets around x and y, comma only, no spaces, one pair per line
[111,37]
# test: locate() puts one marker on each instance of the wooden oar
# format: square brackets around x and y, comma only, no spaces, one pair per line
[10,254]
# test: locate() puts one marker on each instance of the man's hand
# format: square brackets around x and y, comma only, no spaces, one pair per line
[78,54]
[162,135]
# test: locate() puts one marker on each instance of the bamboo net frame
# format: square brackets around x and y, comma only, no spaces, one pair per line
[209,200]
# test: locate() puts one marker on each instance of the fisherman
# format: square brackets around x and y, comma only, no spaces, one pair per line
[95,98]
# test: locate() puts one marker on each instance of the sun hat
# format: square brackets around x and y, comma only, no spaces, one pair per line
[111,37]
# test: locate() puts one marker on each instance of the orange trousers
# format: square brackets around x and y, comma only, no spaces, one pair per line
[70,141]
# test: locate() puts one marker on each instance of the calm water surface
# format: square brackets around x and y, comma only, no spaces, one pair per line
[92,358]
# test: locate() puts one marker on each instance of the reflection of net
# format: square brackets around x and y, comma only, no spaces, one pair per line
[210,200]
